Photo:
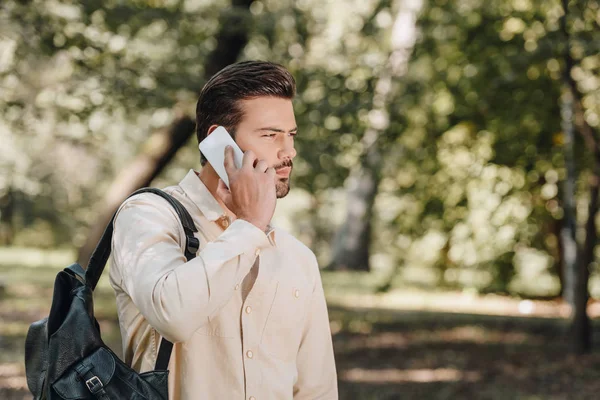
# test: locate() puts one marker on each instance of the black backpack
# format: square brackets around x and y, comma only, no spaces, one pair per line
[65,357]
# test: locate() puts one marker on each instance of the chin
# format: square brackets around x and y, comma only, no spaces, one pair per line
[282,188]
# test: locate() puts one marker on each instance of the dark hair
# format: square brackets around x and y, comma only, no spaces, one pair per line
[218,101]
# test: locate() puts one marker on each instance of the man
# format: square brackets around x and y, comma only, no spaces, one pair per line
[247,316]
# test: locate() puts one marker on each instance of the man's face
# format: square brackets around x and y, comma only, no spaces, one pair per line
[268,129]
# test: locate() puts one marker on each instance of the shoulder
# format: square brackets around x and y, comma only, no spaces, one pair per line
[147,209]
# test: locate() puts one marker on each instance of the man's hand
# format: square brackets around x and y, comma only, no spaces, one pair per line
[251,195]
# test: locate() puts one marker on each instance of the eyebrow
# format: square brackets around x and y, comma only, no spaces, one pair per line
[271,129]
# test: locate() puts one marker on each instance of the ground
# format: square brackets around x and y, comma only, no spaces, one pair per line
[406,344]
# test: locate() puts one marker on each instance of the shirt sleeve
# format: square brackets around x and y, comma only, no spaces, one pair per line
[317,376]
[175,295]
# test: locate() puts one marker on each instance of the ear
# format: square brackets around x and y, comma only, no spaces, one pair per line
[211,129]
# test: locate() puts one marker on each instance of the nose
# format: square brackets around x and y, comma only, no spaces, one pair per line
[287,150]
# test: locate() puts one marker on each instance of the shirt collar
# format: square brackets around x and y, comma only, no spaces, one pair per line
[197,191]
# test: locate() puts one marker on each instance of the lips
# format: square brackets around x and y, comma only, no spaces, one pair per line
[285,171]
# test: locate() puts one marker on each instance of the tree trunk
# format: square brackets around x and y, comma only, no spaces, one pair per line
[576,277]
[557,254]
[7,211]
[351,244]
[158,152]
[568,231]
[161,147]
[580,326]
[235,24]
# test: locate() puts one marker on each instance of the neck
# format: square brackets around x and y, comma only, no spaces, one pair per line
[210,178]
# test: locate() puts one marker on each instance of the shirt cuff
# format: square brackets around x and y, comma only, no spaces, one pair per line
[254,237]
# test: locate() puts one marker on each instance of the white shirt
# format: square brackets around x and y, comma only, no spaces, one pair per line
[247,316]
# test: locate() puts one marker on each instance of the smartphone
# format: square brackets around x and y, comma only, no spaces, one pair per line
[213,148]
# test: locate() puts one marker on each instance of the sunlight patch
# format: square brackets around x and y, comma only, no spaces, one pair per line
[12,376]
[393,375]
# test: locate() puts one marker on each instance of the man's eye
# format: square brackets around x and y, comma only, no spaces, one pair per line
[270,135]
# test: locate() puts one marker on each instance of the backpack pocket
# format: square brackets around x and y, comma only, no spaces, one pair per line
[102,373]
[36,356]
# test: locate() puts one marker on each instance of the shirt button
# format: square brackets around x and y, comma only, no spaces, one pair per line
[237,286]
[252,398]
[296,293]
[248,310]
[250,354]
[223,222]
[257,252]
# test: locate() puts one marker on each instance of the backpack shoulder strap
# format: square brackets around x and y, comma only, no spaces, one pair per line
[102,252]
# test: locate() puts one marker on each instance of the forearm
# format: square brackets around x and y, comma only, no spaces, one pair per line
[181,299]
[173,295]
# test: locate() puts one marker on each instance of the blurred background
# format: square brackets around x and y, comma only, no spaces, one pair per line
[447,176]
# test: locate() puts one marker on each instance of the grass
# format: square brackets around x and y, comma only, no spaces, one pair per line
[405,344]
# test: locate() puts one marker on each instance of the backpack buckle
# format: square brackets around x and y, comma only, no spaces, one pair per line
[94,384]
[193,244]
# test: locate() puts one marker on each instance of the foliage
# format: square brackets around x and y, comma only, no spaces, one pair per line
[84,84]
[471,175]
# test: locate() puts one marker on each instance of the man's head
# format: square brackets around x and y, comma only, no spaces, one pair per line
[253,101]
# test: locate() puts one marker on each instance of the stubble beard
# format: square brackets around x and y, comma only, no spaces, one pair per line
[282,187]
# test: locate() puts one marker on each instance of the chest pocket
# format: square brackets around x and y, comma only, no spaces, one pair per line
[285,323]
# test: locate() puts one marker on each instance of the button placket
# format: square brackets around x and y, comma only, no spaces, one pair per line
[251,325]
[254,313]
[250,367]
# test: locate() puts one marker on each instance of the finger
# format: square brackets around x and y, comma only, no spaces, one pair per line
[228,161]
[222,188]
[271,172]
[224,193]
[261,166]
[249,159]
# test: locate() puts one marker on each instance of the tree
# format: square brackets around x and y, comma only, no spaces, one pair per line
[468,173]
[158,151]
[161,147]
[83,84]
[578,258]
[352,241]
